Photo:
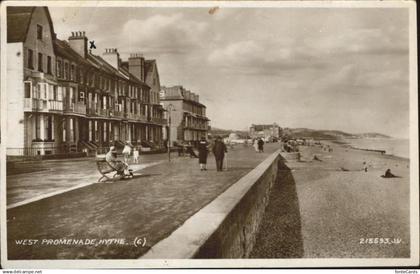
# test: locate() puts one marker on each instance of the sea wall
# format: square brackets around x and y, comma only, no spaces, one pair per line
[227,227]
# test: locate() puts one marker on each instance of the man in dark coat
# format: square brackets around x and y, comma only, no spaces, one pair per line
[202,153]
[219,150]
[260,145]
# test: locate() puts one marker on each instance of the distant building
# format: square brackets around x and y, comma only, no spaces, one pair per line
[233,136]
[265,131]
[188,117]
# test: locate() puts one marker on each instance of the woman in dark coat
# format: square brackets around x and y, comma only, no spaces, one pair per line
[202,153]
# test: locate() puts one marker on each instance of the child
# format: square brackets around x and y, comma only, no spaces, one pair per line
[136,155]
[127,151]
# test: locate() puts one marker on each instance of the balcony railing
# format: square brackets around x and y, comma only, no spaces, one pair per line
[55,105]
[135,116]
[32,104]
[141,117]
[196,126]
[92,111]
[118,114]
[78,108]
[161,121]
[103,112]
[35,104]
[129,115]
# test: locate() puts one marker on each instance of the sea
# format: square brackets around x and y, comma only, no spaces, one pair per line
[392,146]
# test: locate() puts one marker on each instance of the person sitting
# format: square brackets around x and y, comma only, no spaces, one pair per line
[190,151]
[180,149]
[316,158]
[388,174]
[119,166]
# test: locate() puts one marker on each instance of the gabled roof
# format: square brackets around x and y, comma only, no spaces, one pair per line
[63,49]
[148,67]
[177,93]
[101,64]
[122,72]
[172,93]
[124,64]
[18,21]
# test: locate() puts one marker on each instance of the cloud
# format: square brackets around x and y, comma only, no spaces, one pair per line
[261,57]
[371,41]
[164,33]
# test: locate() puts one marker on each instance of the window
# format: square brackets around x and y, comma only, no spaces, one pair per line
[51,93]
[71,131]
[49,128]
[40,64]
[42,91]
[39,32]
[71,95]
[55,93]
[59,68]
[49,65]
[30,59]
[66,71]
[72,72]
[81,96]
[28,89]
[90,130]
[80,76]
[60,94]
[37,127]
[96,131]
[64,130]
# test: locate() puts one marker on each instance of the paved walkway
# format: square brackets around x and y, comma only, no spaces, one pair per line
[333,209]
[121,220]
[39,178]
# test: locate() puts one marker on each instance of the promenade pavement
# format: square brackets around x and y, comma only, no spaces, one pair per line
[30,180]
[110,218]
[333,209]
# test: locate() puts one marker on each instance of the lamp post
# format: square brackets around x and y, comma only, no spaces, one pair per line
[169,110]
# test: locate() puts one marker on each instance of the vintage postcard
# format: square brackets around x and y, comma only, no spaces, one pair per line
[180,134]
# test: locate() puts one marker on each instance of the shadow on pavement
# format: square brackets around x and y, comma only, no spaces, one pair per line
[280,233]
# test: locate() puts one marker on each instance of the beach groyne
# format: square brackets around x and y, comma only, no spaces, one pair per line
[226,227]
[371,150]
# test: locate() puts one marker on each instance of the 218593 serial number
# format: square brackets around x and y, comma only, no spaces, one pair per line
[380,241]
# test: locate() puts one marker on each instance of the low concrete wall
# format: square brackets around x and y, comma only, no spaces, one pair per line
[227,227]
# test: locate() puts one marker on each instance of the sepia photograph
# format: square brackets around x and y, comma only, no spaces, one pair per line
[179,134]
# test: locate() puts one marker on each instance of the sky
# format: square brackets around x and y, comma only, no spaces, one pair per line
[320,68]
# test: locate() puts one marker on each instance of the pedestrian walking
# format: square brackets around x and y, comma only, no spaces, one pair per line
[127,151]
[202,153]
[260,145]
[219,150]
[365,166]
[256,145]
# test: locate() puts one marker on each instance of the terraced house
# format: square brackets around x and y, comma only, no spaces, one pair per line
[65,99]
[189,122]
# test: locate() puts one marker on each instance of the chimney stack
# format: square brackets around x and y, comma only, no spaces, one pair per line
[136,65]
[78,42]
[112,56]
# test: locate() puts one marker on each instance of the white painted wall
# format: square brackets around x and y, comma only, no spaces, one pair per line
[15,96]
